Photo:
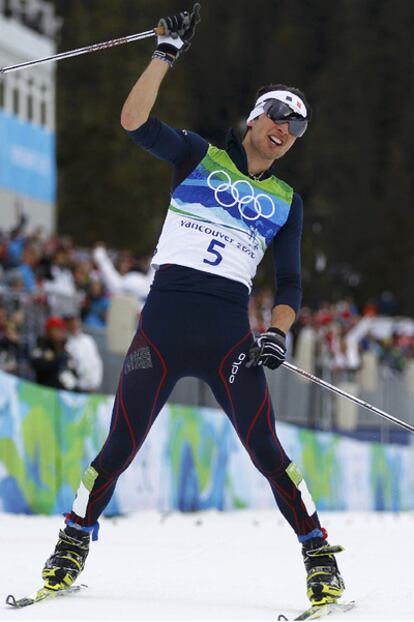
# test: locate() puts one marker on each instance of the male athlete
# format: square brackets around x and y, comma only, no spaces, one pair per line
[227,206]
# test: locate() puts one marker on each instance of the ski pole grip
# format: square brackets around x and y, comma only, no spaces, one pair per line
[159,31]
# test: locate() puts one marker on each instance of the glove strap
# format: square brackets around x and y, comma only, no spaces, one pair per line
[158,54]
[272,329]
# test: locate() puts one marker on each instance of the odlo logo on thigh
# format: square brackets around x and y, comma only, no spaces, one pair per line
[235,367]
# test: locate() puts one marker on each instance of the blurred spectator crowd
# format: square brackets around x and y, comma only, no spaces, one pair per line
[51,293]
[341,333]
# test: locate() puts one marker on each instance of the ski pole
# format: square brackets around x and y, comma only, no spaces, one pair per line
[348,396]
[95,47]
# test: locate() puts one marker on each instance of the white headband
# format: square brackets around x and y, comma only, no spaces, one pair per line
[292,100]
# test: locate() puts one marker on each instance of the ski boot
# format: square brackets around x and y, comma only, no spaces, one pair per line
[324,582]
[68,560]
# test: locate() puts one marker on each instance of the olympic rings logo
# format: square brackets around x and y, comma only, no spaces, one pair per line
[261,204]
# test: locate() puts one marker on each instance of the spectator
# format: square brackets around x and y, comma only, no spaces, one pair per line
[14,281]
[60,277]
[9,344]
[60,284]
[95,305]
[343,363]
[84,352]
[392,355]
[124,278]
[16,244]
[52,364]
[82,274]
[27,268]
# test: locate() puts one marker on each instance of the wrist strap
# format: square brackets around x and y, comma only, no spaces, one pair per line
[158,54]
[273,329]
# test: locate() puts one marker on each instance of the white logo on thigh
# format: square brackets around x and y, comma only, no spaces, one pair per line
[235,367]
[260,204]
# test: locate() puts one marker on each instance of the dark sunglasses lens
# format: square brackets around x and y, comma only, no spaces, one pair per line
[279,111]
[297,127]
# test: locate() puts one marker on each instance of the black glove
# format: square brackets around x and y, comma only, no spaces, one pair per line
[268,349]
[179,29]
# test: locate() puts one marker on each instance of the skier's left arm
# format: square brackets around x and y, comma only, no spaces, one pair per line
[287,266]
[269,348]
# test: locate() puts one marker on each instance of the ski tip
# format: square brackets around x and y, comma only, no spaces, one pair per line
[41,595]
[319,611]
[10,600]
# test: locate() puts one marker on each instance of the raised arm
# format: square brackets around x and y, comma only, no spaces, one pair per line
[179,29]
[141,99]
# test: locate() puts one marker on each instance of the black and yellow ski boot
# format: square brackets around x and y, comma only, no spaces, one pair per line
[323,582]
[68,560]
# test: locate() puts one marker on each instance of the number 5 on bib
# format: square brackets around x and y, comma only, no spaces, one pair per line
[212,249]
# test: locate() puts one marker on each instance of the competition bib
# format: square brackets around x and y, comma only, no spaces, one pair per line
[222,221]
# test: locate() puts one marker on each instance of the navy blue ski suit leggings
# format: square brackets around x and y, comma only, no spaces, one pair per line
[204,332]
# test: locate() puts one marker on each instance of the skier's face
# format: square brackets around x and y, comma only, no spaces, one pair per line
[271,140]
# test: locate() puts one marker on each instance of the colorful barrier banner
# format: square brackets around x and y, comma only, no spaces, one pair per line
[192,459]
[27,158]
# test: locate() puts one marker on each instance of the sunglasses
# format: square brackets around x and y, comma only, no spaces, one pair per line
[280,112]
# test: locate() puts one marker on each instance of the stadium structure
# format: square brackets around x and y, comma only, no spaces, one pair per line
[27,115]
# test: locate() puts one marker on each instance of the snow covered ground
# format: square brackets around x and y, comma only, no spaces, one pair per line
[242,565]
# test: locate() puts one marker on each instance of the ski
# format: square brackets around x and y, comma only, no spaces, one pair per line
[41,594]
[320,611]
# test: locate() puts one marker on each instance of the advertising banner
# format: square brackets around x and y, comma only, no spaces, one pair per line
[192,459]
[27,159]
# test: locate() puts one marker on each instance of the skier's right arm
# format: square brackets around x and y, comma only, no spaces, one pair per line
[178,31]
[141,99]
